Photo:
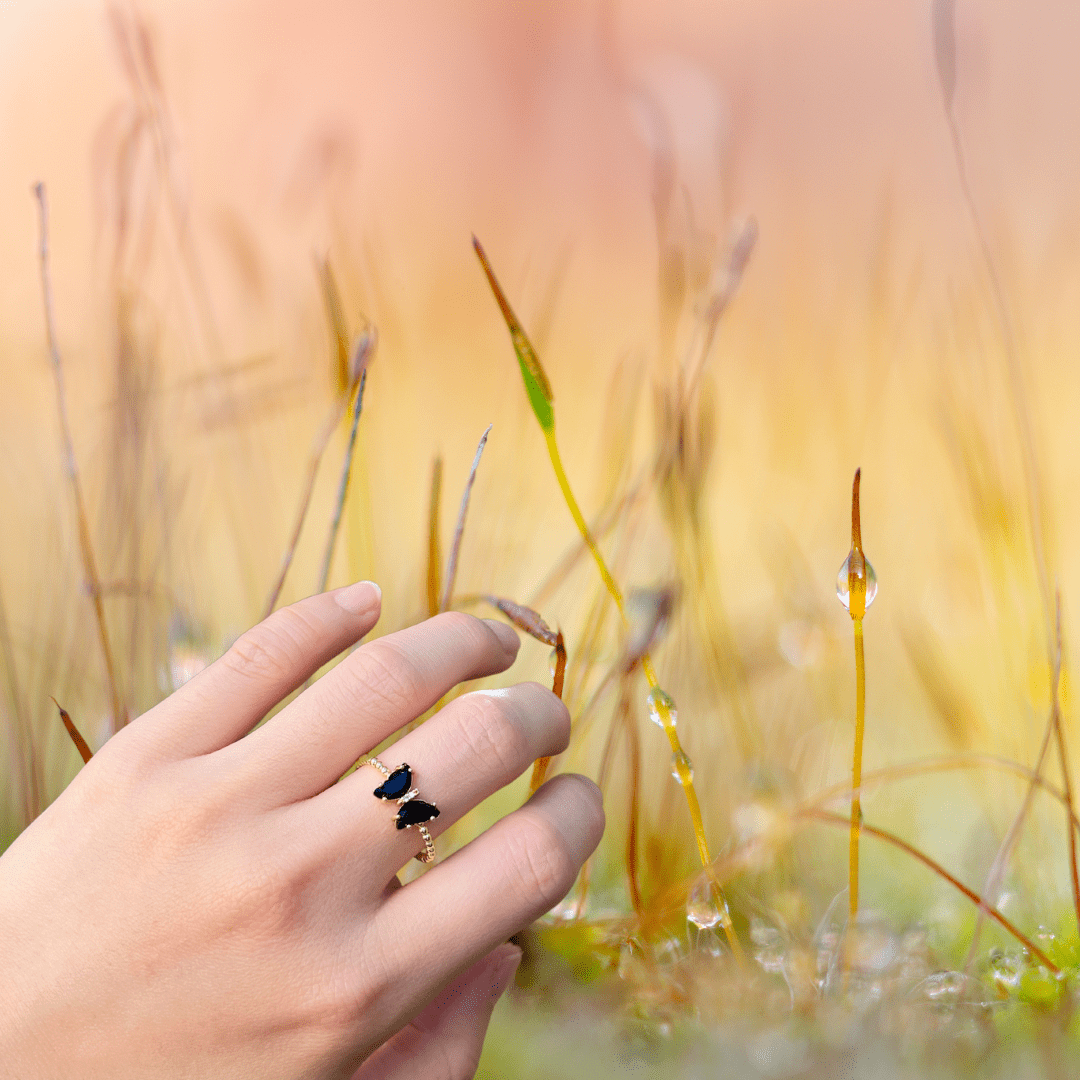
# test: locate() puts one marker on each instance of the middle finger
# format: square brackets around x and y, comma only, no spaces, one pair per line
[368,696]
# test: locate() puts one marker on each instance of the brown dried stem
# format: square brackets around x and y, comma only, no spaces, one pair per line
[459,530]
[343,485]
[86,548]
[80,743]
[317,452]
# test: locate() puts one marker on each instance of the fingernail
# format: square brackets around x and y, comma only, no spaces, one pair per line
[359,598]
[506,634]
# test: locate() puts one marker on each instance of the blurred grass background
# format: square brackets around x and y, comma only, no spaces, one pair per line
[202,160]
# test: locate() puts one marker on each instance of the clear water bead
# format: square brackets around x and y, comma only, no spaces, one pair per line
[681,767]
[701,908]
[553,661]
[842,582]
[662,709]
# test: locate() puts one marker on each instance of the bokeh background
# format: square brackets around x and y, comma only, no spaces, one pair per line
[203,159]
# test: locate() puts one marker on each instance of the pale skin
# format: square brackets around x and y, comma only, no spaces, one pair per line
[206,900]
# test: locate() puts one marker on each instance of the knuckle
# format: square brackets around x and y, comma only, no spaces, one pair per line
[387,675]
[543,864]
[488,733]
[260,654]
[272,649]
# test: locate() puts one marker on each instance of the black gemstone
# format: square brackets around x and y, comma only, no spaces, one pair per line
[416,812]
[396,784]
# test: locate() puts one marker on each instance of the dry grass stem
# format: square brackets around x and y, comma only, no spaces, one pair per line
[459,528]
[343,485]
[317,451]
[86,547]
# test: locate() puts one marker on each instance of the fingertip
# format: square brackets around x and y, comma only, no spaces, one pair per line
[360,598]
[507,635]
[576,807]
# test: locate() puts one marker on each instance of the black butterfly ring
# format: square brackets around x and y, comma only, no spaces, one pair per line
[397,786]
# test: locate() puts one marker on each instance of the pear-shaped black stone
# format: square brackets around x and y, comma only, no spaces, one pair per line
[396,784]
[416,812]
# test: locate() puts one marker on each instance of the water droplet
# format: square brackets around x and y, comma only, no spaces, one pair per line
[553,661]
[1006,971]
[768,946]
[701,907]
[681,767]
[662,709]
[842,582]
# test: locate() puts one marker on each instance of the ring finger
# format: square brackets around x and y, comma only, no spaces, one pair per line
[476,745]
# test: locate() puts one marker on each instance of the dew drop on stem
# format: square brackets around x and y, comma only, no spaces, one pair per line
[662,709]
[843,577]
[681,767]
[701,907]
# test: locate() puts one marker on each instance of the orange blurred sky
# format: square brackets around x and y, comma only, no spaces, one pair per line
[424,122]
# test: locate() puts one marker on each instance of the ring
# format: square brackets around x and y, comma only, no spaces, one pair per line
[397,786]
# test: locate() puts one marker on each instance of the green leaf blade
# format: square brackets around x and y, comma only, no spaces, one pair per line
[532,372]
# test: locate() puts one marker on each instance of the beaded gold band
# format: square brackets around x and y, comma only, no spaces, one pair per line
[397,787]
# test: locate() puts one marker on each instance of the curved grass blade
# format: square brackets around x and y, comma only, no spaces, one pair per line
[536,382]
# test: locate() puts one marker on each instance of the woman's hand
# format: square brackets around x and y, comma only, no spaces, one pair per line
[205,900]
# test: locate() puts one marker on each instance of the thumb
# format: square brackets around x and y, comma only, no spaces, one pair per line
[446,1038]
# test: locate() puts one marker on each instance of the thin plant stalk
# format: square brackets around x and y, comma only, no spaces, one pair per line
[633,747]
[86,547]
[529,622]
[434,564]
[459,529]
[540,397]
[350,369]
[857,579]
[1066,780]
[541,765]
[343,485]
[317,452]
[996,874]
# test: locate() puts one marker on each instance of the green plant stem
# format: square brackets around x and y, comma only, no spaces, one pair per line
[856,772]
[667,721]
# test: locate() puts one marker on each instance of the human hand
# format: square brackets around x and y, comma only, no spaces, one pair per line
[205,900]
